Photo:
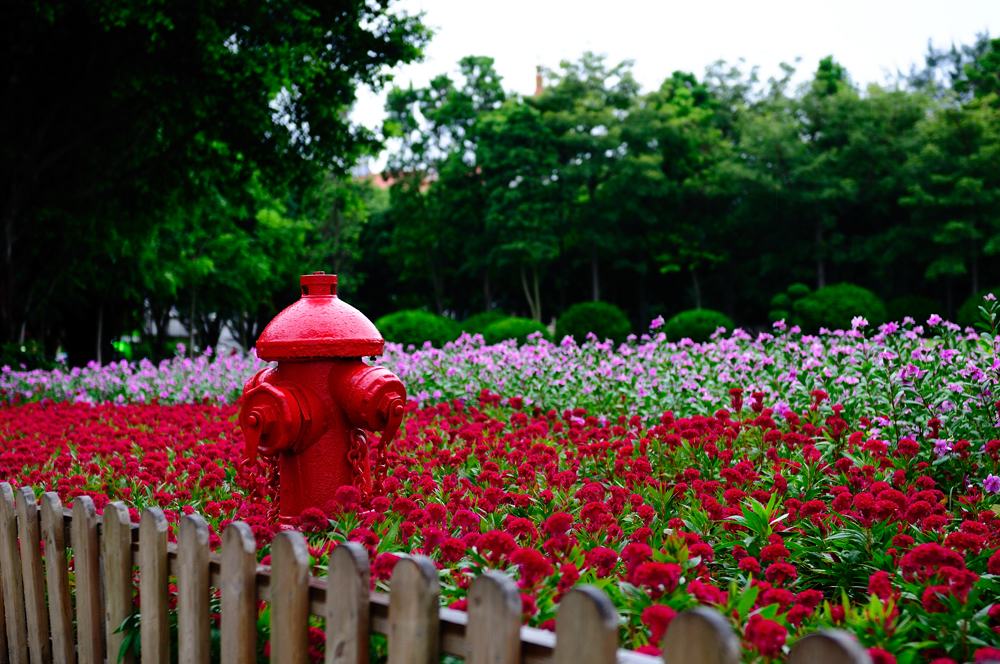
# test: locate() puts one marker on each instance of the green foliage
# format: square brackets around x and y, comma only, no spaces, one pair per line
[602,318]
[476,323]
[969,314]
[783,304]
[29,355]
[415,327]
[513,328]
[696,324]
[918,307]
[834,306]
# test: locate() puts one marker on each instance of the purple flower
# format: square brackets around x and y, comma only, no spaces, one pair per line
[991,484]
[656,323]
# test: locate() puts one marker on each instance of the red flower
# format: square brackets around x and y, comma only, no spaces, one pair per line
[657,619]
[659,578]
[880,656]
[765,636]
[533,566]
[880,585]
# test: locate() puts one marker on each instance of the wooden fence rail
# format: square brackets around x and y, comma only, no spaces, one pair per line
[44,622]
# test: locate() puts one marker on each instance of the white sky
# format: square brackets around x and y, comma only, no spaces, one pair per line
[870,38]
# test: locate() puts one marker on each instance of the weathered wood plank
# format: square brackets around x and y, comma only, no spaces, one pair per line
[154,630]
[413,612]
[57,580]
[86,565]
[347,605]
[586,628]
[238,582]
[116,546]
[11,579]
[193,591]
[33,575]
[290,606]
[700,636]
[493,635]
[831,646]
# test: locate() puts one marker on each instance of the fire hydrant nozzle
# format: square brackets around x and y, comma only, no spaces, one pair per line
[313,414]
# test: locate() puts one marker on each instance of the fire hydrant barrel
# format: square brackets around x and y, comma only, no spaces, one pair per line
[319,411]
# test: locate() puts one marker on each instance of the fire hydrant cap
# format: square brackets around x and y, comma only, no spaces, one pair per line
[319,325]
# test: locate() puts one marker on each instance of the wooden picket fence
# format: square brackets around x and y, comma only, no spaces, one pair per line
[38,609]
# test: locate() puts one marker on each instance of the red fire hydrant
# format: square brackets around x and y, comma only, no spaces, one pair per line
[316,411]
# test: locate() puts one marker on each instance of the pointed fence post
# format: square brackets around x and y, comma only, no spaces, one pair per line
[700,636]
[347,605]
[830,646]
[119,589]
[11,579]
[493,635]
[239,595]
[586,628]
[289,598]
[86,566]
[413,612]
[154,630]
[30,539]
[57,579]
[193,591]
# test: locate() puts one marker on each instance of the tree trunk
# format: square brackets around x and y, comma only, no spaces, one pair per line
[595,275]
[487,293]
[818,249]
[531,293]
[191,324]
[696,288]
[100,333]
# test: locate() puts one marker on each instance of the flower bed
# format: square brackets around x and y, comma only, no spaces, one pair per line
[794,482]
[785,524]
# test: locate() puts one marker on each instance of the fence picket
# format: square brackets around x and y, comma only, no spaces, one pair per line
[86,565]
[3,626]
[493,635]
[30,549]
[116,546]
[193,591]
[290,602]
[153,628]
[700,636]
[239,595]
[347,610]
[10,577]
[586,628]
[413,612]
[57,579]
[832,646]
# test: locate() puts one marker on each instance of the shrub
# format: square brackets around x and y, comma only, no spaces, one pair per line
[696,324]
[968,314]
[834,306]
[783,304]
[476,323]
[512,328]
[917,307]
[412,326]
[603,319]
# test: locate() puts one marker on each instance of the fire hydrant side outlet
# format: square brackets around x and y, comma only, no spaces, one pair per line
[317,414]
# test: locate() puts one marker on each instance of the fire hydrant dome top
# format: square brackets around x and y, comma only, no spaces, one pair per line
[319,325]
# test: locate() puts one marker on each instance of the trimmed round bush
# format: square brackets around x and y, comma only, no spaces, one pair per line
[798,290]
[917,307]
[513,327]
[834,306]
[413,326]
[476,323]
[602,318]
[696,324]
[968,314]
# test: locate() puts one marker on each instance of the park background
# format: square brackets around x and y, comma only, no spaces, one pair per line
[192,164]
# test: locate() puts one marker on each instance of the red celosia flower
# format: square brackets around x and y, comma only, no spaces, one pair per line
[880,585]
[880,656]
[533,566]
[659,578]
[765,636]
[657,618]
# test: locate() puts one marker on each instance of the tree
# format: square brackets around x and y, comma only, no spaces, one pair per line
[519,161]
[119,111]
[583,111]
